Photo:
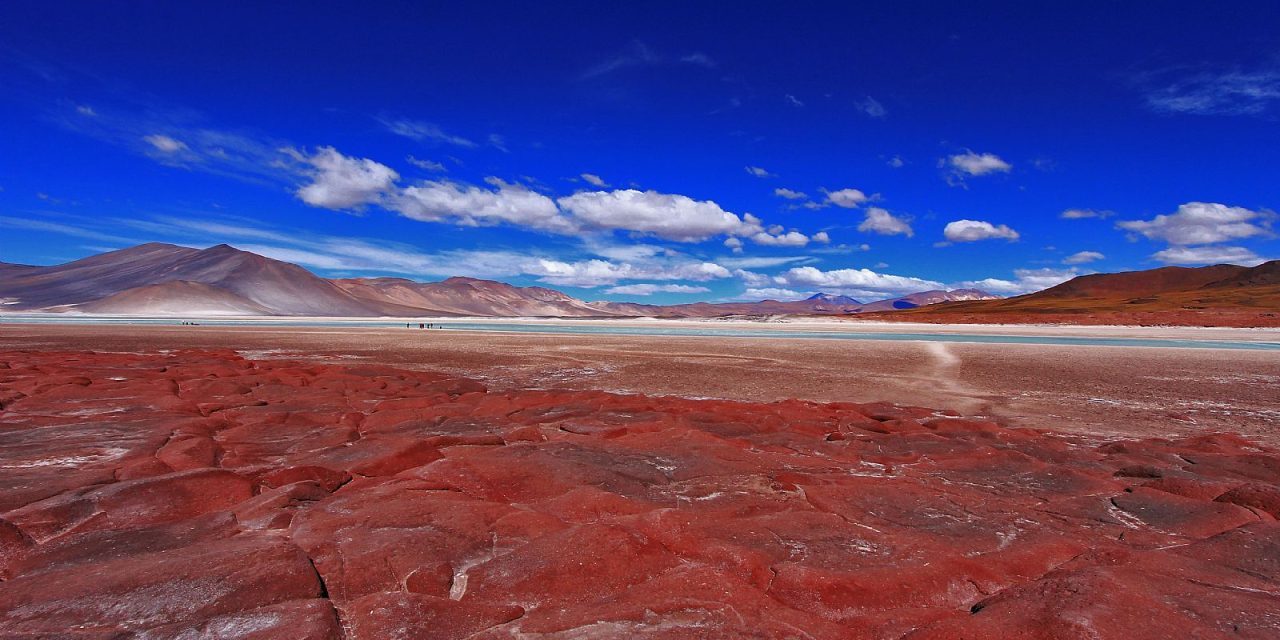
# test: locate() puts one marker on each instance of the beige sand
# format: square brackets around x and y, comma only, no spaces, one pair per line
[1084,389]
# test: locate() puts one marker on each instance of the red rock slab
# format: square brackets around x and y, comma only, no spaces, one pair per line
[198,581]
[295,619]
[277,498]
[134,503]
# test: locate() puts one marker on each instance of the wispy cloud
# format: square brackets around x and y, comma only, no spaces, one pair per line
[871,107]
[423,132]
[638,54]
[1233,92]
[31,224]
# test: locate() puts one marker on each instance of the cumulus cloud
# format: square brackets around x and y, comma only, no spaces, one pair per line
[896,162]
[734,244]
[759,172]
[1083,257]
[594,180]
[593,273]
[884,223]
[789,194]
[1202,223]
[165,144]
[1079,214]
[670,216]
[424,132]
[860,280]
[970,164]
[772,293]
[821,237]
[342,182]
[978,164]
[847,198]
[502,202]
[1208,255]
[1025,281]
[974,230]
[646,289]
[780,239]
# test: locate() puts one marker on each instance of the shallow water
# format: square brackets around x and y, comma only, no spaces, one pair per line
[593,328]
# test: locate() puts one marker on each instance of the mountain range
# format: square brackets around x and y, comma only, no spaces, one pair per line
[1222,294]
[169,280]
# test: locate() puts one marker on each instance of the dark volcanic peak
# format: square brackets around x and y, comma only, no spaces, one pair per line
[832,299]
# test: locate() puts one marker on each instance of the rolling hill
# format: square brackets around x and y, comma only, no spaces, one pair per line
[1223,294]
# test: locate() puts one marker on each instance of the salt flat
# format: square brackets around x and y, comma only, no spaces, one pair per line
[1098,390]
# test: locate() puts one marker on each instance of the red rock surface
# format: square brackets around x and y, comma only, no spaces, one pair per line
[198,494]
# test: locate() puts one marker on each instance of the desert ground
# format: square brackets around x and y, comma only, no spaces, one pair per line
[1098,390]
[349,483]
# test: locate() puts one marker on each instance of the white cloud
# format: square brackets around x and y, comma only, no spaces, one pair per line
[753,262]
[970,164]
[645,289]
[426,165]
[85,110]
[780,239]
[1079,214]
[734,244]
[638,54]
[698,58]
[670,216]
[424,132]
[782,192]
[1208,255]
[498,142]
[821,237]
[1083,257]
[974,230]
[861,280]
[446,201]
[342,182]
[847,198]
[896,162]
[592,273]
[594,180]
[978,164]
[1026,281]
[884,223]
[871,107]
[772,293]
[165,144]
[1202,223]
[1230,93]
[794,101]
[759,172]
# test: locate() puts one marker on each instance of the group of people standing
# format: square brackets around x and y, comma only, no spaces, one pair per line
[424,325]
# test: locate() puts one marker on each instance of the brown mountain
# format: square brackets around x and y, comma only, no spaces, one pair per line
[164,279]
[1215,295]
[470,297]
[245,280]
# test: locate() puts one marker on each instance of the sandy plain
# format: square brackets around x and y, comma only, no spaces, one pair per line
[1106,391]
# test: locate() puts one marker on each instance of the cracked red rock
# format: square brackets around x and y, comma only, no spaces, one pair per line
[201,494]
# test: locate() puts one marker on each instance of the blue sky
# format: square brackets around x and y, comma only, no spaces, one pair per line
[666,152]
